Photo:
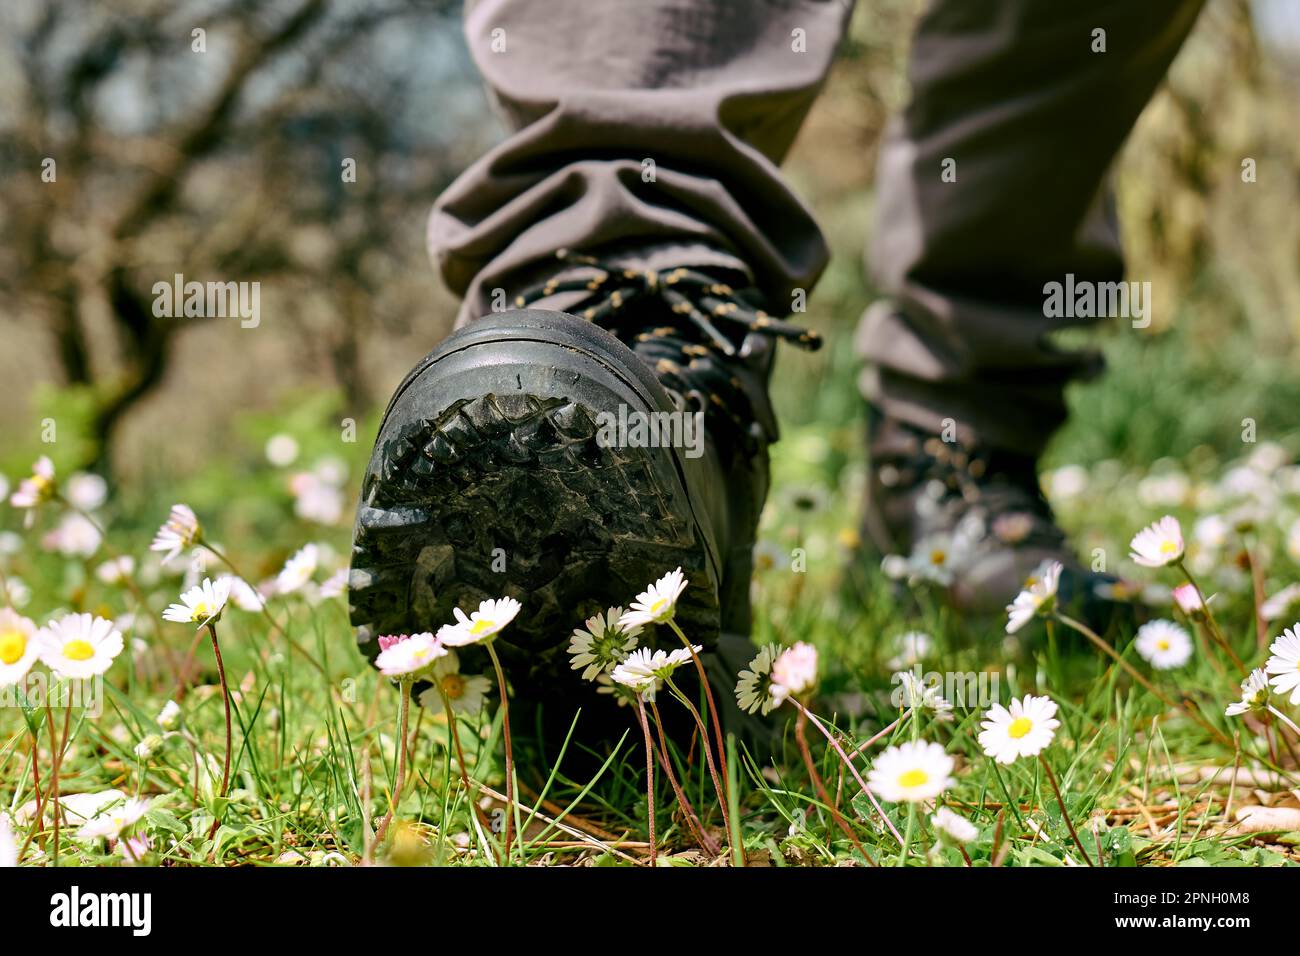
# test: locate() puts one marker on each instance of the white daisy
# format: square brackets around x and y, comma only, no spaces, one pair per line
[937,558]
[133,848]
[1158,544]
[1163,644]
[912,649]
[754,689]
[170,715]
[407,657]
[1023,730]
[75,536]
[116,570]
[482,625]
[79,645]
[913,693]
[894,566]
[954,825]
[911,772]
[242,594]
[19,647]
[111,821]
[466,694]
[1254,694]
[644,668]
[603,644]
[1276,607]
[200,604]
[80,807]
[179,531]
[38,488]
[1211,531]
[86,491]
[336,585]
[8,843]
[794,672]
[1037,598]
[769,556]
[14,591]
[1188,600]
[623,696]
[298,570]
[1284,664]
[657,603]
[281,450]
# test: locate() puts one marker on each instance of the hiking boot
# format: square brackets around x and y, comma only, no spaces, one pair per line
[970,520]
[519,459]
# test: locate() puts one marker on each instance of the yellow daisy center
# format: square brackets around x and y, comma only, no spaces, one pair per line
[13,644]
[199,611]
[481,626]
[1168,547]
[40,482]
[658,605]
[912,778]
[453,685]
[1019,727]
[938,556]
[78,650]
[1162,644]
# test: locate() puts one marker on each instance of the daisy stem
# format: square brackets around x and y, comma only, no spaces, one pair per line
[510,754]
[801,721]
[1283,717]
[58,766]
[225,699]
[649,781]
[708,752]
[1006,794]
[36,775]
[1136,674]
[1065,814]
[708,696]
[688,811]
[454,724]
[1209,618]
[275,625]
[996,852]
[835,745]
[907,834]
[403,715]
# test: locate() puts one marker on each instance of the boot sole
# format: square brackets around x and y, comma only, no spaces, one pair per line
[487,480]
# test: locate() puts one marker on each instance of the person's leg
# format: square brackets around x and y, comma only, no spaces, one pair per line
[991,184]
[651,128]
[646,137]
[1031,115]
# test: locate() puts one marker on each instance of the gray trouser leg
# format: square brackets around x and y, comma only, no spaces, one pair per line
[1013,93]
[651,128]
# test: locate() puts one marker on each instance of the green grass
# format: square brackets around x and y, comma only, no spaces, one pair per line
[315,739]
